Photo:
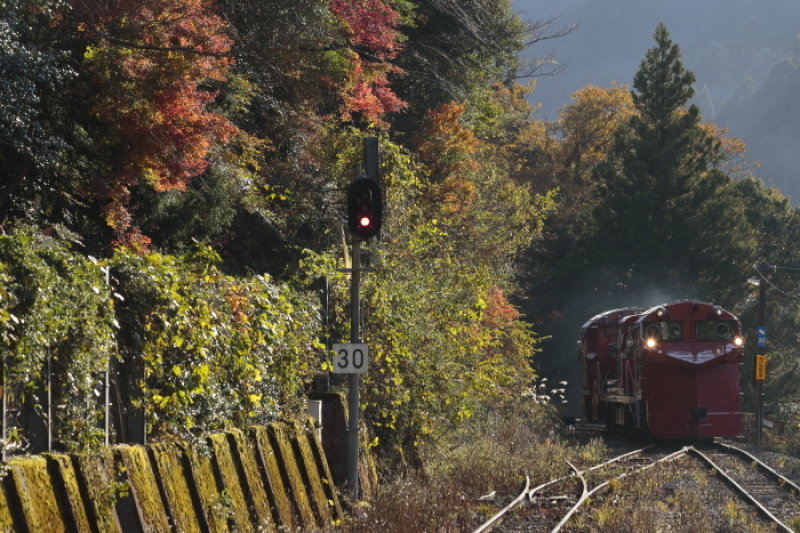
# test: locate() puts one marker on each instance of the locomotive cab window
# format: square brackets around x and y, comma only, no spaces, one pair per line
[664,331]
[712,330]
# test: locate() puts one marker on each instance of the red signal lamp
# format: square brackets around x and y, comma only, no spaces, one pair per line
[364,208]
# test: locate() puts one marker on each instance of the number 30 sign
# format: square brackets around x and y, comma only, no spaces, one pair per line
[350,358]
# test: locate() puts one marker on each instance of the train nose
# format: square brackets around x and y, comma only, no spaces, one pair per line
[699,413]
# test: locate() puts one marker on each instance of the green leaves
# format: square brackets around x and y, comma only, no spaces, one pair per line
[443,338]
[663,216]
[217,350]
[54,304]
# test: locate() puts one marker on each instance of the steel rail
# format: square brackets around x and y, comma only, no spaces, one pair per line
[587,495]
[761,465]
[595,467]
[741,490]
[528,492]
[486,526]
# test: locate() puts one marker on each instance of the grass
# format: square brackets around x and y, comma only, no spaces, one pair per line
[676,496]
[497,448]
[492,452]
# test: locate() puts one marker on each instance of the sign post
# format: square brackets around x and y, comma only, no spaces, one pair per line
[353,398]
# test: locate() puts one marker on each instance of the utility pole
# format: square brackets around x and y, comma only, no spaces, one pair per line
[760,362]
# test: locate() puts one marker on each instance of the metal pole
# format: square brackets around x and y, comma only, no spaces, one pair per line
[353,397]
[49,402]
[4,409]
[761,348]
[107,383]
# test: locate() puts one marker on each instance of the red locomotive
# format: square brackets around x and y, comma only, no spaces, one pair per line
[672,370]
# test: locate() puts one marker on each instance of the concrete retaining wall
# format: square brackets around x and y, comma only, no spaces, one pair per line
[270,479]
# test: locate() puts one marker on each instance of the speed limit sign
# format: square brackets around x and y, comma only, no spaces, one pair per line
[350,358]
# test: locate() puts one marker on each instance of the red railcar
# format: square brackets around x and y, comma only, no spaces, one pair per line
[672,370]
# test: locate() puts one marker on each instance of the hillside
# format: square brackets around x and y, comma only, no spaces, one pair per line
[731,46]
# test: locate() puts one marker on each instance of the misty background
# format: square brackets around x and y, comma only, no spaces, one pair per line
[745,55]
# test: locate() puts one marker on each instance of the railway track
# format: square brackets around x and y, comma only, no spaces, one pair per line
[549,506]
[773,495]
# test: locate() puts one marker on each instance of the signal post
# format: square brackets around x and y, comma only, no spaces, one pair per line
[364,220]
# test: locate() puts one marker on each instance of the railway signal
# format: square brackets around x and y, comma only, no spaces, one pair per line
[364,208]
[364,219]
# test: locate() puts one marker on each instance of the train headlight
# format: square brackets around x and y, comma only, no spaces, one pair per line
[651,343]
[738,341]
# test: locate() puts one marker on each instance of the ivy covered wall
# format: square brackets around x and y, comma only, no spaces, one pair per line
[189,348]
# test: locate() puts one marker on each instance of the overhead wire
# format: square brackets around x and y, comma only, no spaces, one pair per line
[763,277]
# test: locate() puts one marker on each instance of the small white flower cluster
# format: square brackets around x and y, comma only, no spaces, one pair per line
[540,395]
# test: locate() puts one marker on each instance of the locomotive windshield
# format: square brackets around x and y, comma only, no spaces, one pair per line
[664,331]
[712,330]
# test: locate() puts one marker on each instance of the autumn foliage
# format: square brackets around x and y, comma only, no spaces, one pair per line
[149,62]
[370,29]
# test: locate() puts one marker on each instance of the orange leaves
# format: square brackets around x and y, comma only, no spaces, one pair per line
[150,60]
[369,27]
[562,153]
[589,123]
[445,145]
[734,161]
[498,311]
[501,322]
[367,92]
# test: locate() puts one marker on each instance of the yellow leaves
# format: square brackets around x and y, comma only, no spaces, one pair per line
[151,177]
[445,145]
[202,372]
[91,53]
[733,149]
[588,124]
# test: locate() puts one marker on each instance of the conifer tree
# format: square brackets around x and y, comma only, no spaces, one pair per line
[666,215]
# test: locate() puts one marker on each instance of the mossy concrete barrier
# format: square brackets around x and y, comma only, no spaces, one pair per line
[100,479]
[253,485]
[324,507]
[7,522]
[226,471]
[65,482]
[174,485]
[213,506]
[268,479]
[290,473]
[34,491]
[280,499]
[151,511]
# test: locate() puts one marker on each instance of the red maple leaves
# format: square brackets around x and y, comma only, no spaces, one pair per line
[370,28]
[153,64]
[150,59]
